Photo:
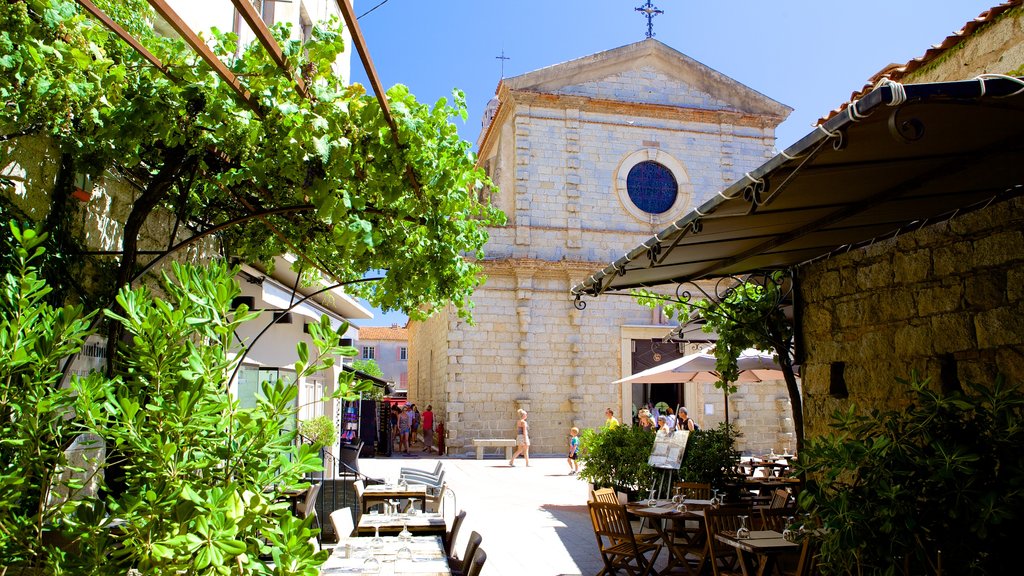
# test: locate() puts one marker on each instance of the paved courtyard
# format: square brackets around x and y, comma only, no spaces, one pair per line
[534,521]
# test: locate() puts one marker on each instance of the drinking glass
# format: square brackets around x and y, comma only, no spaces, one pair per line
[412,509]
[742,533]
[371,565]
[377,543]
[677,498]
[404,553]
[788,533]
[405,535]
[714,498]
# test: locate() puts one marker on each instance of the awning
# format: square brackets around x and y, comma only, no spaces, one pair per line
[898,159]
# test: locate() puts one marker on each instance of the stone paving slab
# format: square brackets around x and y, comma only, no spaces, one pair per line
[534,521]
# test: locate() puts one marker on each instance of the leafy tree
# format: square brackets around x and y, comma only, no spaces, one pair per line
[202,475]
[319,174]
[748,315]
[369,367]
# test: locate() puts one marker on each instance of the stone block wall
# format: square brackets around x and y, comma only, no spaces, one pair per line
[531,349]
[946,301]
[428,363]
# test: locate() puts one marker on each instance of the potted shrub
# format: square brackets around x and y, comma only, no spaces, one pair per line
[895,490]
[617,458]
[710,456]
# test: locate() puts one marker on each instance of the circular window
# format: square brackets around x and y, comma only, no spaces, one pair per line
[652,187]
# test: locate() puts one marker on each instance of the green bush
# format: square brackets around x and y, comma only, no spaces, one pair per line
[617,458]
[174,477]
[891,489]
[319,431]
[710,455]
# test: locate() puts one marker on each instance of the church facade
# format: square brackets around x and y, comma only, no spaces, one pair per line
[591,157]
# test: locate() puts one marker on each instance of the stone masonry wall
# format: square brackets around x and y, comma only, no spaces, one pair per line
[531,348]
[428,363]
[948,298]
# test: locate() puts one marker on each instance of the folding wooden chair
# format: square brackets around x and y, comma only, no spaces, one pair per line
[619,547]
[722,557]
[695,490]
[604,495]
[808,563]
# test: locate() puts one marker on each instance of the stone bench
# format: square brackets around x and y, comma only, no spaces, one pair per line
[481,443]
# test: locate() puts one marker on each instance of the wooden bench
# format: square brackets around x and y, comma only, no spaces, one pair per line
[481,443]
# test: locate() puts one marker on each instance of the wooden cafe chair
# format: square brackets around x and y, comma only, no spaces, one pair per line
[721,556]
[620,549]
[604,495]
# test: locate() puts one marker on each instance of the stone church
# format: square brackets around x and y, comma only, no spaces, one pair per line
[591,157]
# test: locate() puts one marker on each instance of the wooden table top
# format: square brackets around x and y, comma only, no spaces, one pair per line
[350,556]
[760,542]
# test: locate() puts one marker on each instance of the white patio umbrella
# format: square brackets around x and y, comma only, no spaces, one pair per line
[754,366]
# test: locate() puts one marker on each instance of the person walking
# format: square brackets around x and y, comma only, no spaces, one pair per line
[574,446]
[522,439]
[404,428]
[428,429]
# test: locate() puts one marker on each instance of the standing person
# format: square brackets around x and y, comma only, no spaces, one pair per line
[670,418]
[610,421]
[574,446]
[646,422]
[685,423]
[396,438]
[522,439]
[415,412]
[428,429]
[404,427]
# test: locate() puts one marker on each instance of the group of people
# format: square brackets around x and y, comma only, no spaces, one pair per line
[406,423]
[664,423]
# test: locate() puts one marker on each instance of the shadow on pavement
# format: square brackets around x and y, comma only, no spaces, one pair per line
[577,527]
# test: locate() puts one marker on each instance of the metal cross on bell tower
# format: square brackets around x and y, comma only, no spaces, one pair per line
[650,11]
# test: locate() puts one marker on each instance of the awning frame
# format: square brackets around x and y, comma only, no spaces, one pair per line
[756,190]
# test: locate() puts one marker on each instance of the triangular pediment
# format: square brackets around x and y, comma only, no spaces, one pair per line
[648,72]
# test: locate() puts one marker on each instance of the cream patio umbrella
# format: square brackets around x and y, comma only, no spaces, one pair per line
[754,366]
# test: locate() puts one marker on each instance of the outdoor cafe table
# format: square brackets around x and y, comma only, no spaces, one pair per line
[678,546]
[765,545]
[392,523]
[428,557]
[382,492]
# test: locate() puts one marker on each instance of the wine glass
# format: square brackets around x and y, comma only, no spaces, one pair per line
[412,509]
[677,498]
[377,543]
[404,554]
[742,533]
[405,535]
[403,484]
[788,533]
[714,498]
[371,565]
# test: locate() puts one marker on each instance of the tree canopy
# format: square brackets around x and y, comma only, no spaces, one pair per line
[319,175]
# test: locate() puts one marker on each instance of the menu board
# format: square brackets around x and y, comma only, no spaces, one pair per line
[669,449]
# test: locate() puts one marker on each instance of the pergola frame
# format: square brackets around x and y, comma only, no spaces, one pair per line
[266,39]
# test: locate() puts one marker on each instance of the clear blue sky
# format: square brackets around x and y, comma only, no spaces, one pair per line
[808,54]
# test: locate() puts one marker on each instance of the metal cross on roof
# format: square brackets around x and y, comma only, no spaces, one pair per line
[650,11]
[502,58]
